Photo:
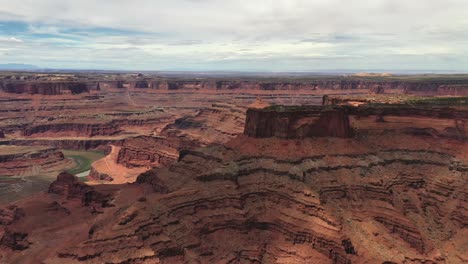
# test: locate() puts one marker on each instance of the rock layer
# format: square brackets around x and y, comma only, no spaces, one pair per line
[297,123]
[342,121]
[31,161]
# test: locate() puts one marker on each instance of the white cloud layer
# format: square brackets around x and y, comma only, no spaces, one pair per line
[260,35]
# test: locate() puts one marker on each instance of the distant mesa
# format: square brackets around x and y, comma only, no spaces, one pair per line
[17,66]
[372,74]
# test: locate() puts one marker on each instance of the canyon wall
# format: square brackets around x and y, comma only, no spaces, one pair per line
[76,144]
[47,88]
[148,151]
[73,129]
[297,122]
[31,161]
[427,88]
[343,121]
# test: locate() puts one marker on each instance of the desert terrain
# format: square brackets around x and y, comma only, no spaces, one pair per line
[112,167]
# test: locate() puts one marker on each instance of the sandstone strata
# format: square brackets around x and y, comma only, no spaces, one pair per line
[77,129]
[68,186]
[296,122]
[46,88]
[31,161]
[291,197]
[75,86]
[342,121]
[148,151]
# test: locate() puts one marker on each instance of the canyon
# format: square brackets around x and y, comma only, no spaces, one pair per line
[323,169]
[78,84]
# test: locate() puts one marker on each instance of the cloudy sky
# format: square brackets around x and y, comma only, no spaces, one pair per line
[239,35]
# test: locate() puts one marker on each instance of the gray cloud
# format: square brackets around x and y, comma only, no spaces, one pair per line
[234,34]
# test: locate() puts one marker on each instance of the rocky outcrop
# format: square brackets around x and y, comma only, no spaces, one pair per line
[377,89]
[342,121]
[14,240]
[10,214]
[297,122]
[47,88]
[98,176]
[76,144]
[29,161]
[422,121]
[76,129]
[429,87]
[148,151]
[455,90]
[2,135]
[360,206]
[70,187]
[329,200]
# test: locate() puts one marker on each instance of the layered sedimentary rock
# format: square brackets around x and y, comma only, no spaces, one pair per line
[342,121]
[70,187]
[75,144]
[428,88]
[369,204]
[30,161]
[148,151]
[10,214]
[78,85]
[338,184]
[297,122]
[429,121]
[75,129]
[46,88]
[312,198]
[457,90]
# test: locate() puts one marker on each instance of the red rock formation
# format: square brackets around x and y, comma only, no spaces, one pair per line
[148,151]
[297,122]
[10,214]
[98,176]
[89,130]
[76,144]
[340,121]
[377,90]
[68,186]
[46,88]
[28,161]
[14,240]
[455,90]
[77,85]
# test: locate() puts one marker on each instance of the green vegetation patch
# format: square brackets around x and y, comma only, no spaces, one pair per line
[83,159]
[440,101]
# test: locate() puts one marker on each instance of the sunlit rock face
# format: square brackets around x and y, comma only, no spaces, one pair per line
[191,175]
[360,190]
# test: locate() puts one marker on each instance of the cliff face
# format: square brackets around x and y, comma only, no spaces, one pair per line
[419,88]
[77,129]
[297,123]
[341,121]
[28,161]
[69,187]
[428,88]
[302,198]
[77,144]
[331,200]
[47,88]
[148,151]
